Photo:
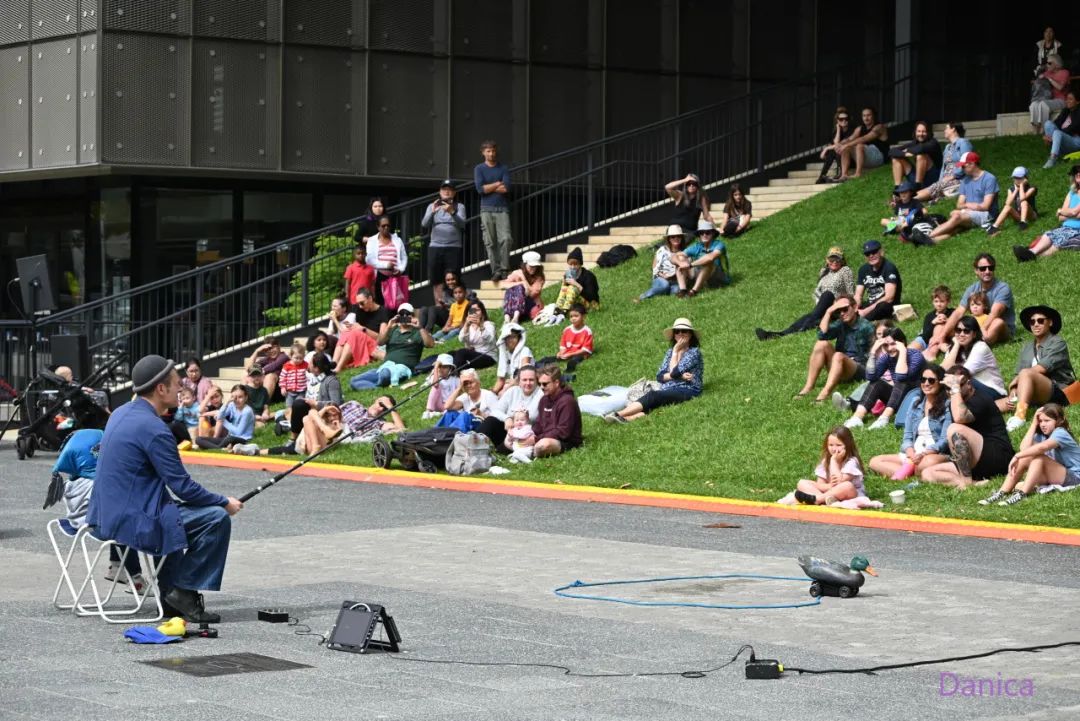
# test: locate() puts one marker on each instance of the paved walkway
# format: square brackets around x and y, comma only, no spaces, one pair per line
[469,576]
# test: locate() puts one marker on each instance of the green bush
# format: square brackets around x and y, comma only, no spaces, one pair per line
[324,282]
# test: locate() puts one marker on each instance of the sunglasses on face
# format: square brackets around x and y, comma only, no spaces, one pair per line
[1038,321]
[928,381]
[962,329]
[845,309]
[984,268]
[681,330]
[544,384]
[843,118]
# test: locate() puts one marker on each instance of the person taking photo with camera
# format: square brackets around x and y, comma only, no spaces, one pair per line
[405,340]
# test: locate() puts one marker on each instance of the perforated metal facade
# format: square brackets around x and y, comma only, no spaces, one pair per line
[352,88]
[408,114]
[145,98]
[170,17]
[15,107]
[339,23]
[88,99]
[234,91]
[54,102]
[238,19]
[53,18]
[322,110]
[14,21]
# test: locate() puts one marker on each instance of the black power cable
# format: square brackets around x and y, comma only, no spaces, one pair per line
[702,673]
[872,670]
[567,671]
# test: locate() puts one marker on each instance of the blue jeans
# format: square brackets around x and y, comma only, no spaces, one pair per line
[664,397]
[660,286]
[370,379]
[448,335]
[201,566]
[1061,143]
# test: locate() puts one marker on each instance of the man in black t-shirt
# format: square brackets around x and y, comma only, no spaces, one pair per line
[878,285]
[369,314]
[979,445]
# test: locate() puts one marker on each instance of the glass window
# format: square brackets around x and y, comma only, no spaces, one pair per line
[343,207]
[272,217]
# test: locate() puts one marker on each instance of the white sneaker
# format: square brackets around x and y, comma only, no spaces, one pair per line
[853,422]
[839,401]
[426,415]
[246,449]
[880,423]
[1015,423]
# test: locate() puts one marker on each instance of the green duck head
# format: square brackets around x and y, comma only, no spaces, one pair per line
[859,563]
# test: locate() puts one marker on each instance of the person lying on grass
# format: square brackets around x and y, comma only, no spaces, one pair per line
[839,473]
[681,374]
[1049,454]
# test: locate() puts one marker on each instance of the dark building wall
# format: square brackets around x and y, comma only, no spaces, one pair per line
[370,88]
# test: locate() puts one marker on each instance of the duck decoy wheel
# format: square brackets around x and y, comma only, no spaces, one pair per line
[380,453]
[815,589]
[846,592]
[20,448]
[31,446]
[425,466]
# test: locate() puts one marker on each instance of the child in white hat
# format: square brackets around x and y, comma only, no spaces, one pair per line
[443,385]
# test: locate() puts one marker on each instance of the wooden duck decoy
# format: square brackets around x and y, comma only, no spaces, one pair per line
[835,579]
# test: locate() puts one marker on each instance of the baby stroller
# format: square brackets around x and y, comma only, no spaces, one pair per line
[423,451]
[53,408]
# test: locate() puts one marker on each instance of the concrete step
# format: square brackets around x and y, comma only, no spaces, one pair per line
[799,180]
[786,197]
[655,231]
[589,253]
[235,374]
[808,174]
[487,285]
[774,204]
[970,126]
[764,213]
[808,188]
[1014,124]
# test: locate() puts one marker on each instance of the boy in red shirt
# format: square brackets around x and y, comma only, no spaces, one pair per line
[577,339]
[358,275]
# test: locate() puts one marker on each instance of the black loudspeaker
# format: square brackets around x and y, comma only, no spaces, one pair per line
[72,351]
[355,626]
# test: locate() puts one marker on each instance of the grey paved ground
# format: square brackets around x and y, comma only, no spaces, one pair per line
[470,577]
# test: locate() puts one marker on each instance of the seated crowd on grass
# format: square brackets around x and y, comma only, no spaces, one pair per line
[944,388]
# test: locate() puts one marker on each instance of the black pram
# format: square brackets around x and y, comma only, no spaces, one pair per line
[423,451]
[52,409]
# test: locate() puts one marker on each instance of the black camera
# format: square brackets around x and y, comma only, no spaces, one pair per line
[404,317]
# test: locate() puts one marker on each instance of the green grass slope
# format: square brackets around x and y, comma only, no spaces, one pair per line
[745,437]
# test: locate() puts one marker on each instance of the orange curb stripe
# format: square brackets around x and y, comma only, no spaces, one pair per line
[709,504]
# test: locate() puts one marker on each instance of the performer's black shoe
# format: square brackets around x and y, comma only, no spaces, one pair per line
[189,604]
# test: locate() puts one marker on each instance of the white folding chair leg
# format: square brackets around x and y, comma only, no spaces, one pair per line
[100,605]
[55,532]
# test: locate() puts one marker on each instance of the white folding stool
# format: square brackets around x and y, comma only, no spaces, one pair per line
[100,606]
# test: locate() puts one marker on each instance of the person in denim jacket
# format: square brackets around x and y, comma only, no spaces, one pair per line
[681,374]
[925,443]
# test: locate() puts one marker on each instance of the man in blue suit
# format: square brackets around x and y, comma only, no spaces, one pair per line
[138,467]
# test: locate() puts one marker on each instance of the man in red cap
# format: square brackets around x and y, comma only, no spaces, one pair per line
[977,204]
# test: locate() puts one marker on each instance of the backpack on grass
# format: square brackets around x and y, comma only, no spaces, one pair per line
[616,255]
[469,454]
